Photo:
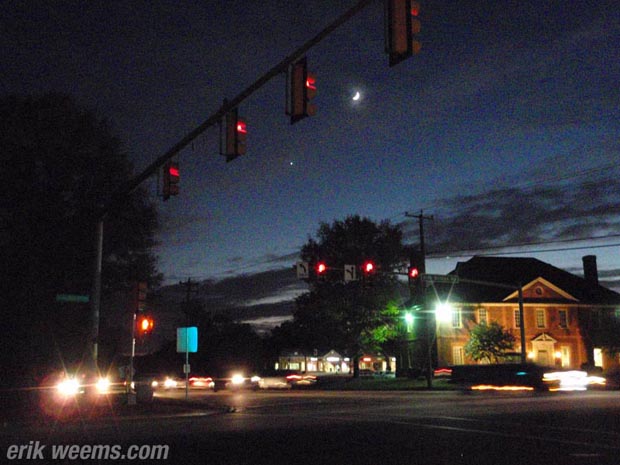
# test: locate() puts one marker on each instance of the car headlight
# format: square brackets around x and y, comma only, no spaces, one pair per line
[237,379]
[170,383]
[255,379]
[103,385]
[68,387]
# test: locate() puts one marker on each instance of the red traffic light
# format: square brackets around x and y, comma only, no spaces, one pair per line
[414,272]
[235,135]
[402,25]
[171,179]
[145,325]
[321,268]
[301,91]
[241,127]
[368,267]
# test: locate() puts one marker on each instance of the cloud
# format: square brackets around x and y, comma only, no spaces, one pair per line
[253,289]
[510,216]
[265,324]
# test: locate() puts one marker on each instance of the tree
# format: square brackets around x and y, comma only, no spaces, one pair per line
[607,336]
[60,163]
[356,316]
[489,342]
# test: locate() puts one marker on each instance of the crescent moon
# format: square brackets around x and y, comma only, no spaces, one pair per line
[357,96]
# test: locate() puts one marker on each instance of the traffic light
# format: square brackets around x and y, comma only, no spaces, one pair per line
[145,325]
[402,27]
[139,296]
[414,273]
[301,91]
[235,135]
[415,270]
[321,270]
[171,179]
[368,268]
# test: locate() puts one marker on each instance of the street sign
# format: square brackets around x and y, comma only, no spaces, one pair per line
[440,278]
[75,298]
[349,273]
[302,270]
[187,339]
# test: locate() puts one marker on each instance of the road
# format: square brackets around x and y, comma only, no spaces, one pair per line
[329,427]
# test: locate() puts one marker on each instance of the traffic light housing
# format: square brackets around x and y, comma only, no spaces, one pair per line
[171,179]
[416,269]
[301,91]
[402,27]
[235,135]
[140,291]
[413,273]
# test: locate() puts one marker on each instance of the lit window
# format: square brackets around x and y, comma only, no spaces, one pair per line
[458,356]
[482,316]
[563,316]
[456,318]
[540,318]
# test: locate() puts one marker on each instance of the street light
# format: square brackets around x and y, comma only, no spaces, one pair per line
[443,312]
[409,321]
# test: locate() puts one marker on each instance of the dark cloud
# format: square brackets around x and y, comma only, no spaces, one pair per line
[249,290]
[510,216]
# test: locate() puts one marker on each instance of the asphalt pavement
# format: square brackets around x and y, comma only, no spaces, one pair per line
[319,427]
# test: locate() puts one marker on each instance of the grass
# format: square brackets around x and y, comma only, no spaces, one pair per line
[379,384]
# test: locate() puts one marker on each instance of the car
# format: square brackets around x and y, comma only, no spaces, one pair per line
[167,382]
[284,379]
[201,382]
[235,381]
[74,382]
[502,376]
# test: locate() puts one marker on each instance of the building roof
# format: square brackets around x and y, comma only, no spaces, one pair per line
[512,271]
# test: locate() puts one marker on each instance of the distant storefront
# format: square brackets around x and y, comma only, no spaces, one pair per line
[333,362]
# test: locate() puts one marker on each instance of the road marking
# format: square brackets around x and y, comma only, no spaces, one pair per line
[507,435]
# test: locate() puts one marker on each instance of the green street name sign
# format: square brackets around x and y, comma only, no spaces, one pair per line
[75,298]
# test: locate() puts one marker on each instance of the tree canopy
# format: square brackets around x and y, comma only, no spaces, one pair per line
[353,316]
[62,163]
[488,342]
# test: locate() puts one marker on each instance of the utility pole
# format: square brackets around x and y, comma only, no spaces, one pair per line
[421,219]
[95,298]
[430,323]
[190,287]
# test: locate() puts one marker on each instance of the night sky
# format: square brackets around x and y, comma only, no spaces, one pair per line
[504,128]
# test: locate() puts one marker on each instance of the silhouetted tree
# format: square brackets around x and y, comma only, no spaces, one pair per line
[355,316]
[60,163]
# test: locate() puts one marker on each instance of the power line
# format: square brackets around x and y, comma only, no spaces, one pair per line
[469,252]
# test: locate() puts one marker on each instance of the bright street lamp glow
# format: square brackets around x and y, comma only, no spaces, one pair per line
[443,312]
[408,318]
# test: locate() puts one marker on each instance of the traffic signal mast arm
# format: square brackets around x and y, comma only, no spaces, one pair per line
[216,118]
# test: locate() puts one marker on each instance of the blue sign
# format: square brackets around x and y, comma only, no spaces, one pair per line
[187,339]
